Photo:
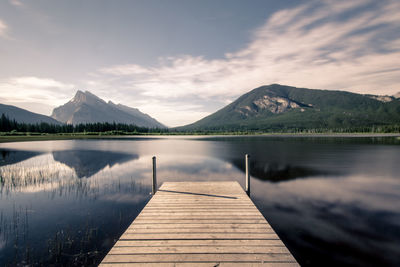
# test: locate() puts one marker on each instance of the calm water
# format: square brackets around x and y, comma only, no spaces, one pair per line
[331,200]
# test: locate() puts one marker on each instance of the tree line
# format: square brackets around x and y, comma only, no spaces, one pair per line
[8,125]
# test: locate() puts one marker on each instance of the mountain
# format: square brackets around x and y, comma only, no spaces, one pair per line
[85,107]
[141,118]
[279,107]
[25,116]
[397,95]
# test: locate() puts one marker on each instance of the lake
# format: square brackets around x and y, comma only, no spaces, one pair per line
[332,200]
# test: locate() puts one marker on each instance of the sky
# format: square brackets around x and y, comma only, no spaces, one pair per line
[181,60]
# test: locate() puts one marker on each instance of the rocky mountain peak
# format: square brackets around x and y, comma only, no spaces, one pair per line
[86,97]
[86,107]
[270,102]
[382,98]
[79,97]
[275,104]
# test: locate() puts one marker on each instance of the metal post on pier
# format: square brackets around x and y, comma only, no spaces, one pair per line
[247,175]
[154,185]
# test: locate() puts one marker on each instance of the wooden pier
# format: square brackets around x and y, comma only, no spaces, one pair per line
[199,224]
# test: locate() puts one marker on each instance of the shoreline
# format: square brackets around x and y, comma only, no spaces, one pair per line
[51,137]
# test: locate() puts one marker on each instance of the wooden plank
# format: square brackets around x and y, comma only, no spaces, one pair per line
[200,243]
[187,208]
[200,213]
[210,257]
[193,203]
[208,205]
[200,224]
[206,215]
[198,230]
[196,250]
[200,264]
[200,201]
[197,200]
[203,217]
[194,211]
[201,208]
[194,207]
[189,221]
[161,236]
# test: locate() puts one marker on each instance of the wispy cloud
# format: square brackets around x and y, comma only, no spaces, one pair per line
[3,29]
[343,45]
[28,90]
[17,3]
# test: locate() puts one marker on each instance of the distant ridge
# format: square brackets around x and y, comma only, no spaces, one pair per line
[280,107]
[140,118]
[25,116]
[86,107]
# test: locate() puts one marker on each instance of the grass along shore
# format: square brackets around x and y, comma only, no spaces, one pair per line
[22,136]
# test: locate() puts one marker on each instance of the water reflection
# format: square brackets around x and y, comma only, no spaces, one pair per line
[343,210]
[88,162]
[49,216]
[338,220]
[14,156]
[313,156]
[275,172]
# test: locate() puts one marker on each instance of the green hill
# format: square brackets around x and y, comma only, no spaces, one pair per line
[284,108]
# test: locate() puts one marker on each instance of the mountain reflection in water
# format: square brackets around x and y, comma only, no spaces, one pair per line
[275,172]
[14,156]
[88,162]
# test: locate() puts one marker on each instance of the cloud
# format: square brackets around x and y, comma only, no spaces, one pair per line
[173,111]
[338,45]
[27,90]
[17,3]
[3,29]
[36,82]
[129,69]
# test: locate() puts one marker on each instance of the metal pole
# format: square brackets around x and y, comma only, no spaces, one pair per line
[247,175]
[154,189]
